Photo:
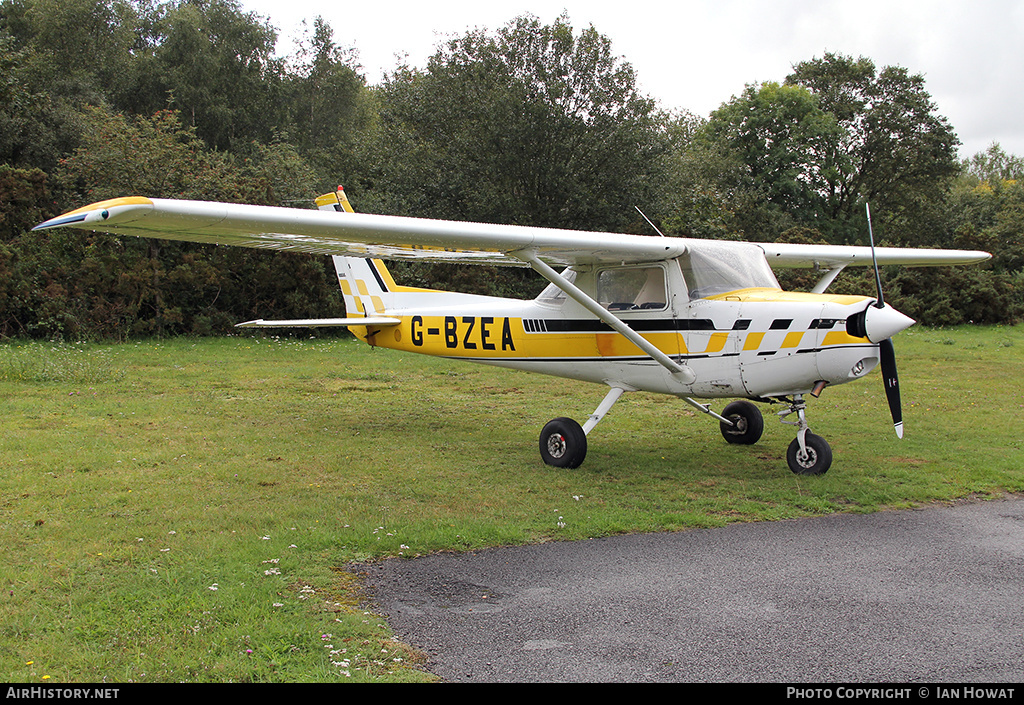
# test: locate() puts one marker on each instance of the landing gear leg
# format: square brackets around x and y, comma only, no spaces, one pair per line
[808,454]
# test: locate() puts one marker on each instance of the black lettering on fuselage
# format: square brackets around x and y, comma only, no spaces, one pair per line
[416,330]
[506,336]
[465,341]
[485,333]
[451,339]
[474,332]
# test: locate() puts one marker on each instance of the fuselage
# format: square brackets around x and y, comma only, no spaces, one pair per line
[755,342]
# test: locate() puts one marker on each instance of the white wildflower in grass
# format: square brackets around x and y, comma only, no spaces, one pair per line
[213,587]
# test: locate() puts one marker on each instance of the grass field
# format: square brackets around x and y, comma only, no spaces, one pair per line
[184,510]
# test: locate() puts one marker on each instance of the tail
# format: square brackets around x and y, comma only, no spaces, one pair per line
[336,201]
[366,284]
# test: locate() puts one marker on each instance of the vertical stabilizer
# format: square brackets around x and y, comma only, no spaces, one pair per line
[366,284]
[336,201]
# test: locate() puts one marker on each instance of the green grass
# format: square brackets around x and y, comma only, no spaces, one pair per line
[138,477]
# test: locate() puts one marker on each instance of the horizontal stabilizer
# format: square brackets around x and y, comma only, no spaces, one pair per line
[320,322]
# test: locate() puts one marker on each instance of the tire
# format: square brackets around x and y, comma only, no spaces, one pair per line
[818,458]
[563,444]
[749,423]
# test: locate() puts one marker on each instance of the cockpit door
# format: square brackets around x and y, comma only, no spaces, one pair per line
[642,297]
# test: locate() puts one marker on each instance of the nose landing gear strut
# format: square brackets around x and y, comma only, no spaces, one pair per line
[808,454]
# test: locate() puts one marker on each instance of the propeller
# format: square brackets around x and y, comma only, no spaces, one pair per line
[885,346]
[892,384]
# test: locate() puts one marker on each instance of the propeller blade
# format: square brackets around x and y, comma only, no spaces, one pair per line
[892,384]
[874,259]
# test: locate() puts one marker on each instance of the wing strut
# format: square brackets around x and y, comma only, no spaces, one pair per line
[683,373]
[827,278]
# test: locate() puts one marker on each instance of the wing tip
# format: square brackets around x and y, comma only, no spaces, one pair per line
[85,213]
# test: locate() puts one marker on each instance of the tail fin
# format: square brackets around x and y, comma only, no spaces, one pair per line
[336,201]
[362,285]
[366,284]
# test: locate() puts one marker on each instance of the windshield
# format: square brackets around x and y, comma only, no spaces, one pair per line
[713,268]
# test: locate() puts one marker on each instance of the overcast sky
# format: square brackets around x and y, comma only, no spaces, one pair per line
[697,54]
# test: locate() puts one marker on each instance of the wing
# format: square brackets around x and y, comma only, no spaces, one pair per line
[389,237]
[787,255]
[358,234]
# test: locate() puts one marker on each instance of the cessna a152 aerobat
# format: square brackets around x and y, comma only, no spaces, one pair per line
[696,319]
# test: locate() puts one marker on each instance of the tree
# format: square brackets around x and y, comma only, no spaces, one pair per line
[36,127]
[96,285]
[891,149]
[695,197]
[533,124]
[782,139]
[216,66]
[994,165]
[324,90]
[80,48]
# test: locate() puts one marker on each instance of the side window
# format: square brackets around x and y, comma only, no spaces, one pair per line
[552,295]
[632,288]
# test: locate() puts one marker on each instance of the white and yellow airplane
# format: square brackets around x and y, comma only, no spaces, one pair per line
[695,319]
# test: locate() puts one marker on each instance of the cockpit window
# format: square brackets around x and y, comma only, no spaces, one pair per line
[631,288]
[711,268]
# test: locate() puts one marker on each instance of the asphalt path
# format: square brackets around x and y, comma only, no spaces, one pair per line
[921,596]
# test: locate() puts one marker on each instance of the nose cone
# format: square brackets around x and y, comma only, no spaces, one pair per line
[885,322]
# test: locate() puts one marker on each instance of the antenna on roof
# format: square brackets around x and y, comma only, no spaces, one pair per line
[649,221]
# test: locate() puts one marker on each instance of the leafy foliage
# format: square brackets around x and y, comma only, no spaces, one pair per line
[535,125]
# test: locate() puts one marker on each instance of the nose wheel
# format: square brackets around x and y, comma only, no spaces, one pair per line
[813,459]
[808,454]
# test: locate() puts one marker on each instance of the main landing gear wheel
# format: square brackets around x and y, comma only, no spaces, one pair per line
[817,459]
[748,424]
[563,443]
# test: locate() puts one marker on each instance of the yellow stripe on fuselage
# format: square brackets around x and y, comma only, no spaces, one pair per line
[506,337]
[753,341]
[841,337]
[792,340]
